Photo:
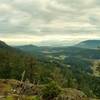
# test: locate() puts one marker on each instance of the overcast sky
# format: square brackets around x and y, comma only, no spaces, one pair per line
[48,21]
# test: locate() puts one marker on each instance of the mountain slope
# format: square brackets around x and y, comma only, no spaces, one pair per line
[14,62]
[91,44]
[3,44]
[28,48]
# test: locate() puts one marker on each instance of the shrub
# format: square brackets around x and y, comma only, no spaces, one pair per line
[50,91]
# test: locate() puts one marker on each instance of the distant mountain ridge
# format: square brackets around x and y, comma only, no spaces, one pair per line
[91,44]
[28,47]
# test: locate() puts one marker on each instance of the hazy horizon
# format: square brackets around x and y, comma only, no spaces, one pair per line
[50,43]
[43,22]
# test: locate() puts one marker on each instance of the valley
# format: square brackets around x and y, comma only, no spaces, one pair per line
[69,72]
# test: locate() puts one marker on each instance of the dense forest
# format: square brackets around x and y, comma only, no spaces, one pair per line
[51,71]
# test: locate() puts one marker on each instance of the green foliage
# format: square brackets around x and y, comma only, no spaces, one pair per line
[50,91]
[43,70]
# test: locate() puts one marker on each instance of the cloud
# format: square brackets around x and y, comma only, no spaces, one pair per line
[51,18]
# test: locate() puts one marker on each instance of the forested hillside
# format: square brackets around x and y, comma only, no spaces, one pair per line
[51,72]
[91,44]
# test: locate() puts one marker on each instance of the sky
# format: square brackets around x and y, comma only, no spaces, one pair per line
[44,22]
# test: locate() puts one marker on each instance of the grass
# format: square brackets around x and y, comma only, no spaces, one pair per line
[24,98]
